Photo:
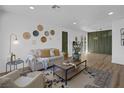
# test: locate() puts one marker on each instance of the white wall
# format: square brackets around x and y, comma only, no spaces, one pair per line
[14,23]
[117,49]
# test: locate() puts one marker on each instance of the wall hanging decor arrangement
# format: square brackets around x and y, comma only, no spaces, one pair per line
[40,27]
[26,35]
[122,36]
[43,39]
[52,32]
[35,33]
[46,33]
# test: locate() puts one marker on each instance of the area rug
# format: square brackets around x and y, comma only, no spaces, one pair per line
[92,78]
[102,78]
[52,81]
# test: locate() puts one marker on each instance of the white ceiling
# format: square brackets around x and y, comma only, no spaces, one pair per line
[87,17]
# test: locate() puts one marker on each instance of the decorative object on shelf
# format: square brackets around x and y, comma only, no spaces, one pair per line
[12,55]
[35,33]
[46,33]
[40,27]
[77,47]
[43,39]
[122,36]
[52,32]
[26,35]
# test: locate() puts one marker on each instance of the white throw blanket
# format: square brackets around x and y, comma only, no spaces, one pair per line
[30,58]
[43,61]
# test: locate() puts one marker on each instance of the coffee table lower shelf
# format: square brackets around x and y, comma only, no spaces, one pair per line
[67,74]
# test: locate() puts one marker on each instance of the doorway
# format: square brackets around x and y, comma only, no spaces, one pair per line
[65,43]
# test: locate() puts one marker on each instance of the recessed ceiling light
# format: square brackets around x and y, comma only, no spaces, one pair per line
[55,6]
[31,7]
[74,23]
[110,13]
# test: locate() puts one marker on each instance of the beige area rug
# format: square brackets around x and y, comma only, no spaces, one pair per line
[79,81]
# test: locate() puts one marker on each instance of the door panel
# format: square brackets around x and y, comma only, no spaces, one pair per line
[65,42]
[100,42]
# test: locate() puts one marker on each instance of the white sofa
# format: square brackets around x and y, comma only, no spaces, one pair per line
[14,80]
[37,60]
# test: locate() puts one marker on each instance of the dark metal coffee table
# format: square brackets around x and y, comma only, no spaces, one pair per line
[68,72]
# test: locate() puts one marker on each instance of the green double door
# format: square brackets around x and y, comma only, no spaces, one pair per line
[100,42]
[65,42]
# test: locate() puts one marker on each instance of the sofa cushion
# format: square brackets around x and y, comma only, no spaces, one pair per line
[45,53]
[56,52]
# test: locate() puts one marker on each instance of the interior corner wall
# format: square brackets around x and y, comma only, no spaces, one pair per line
[117,49]
[18,24]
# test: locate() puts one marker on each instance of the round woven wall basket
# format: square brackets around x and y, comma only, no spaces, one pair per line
[46,33]
[26,35]
[40,27]
[52,32]
[35,33]
[43,39]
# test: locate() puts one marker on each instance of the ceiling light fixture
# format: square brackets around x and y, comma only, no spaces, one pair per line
[74,23]
[31,7]
[110,13]
[55,6]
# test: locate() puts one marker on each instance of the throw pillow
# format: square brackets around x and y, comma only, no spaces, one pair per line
[56,52]
[45,53]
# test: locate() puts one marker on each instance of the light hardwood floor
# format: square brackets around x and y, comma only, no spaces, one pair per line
[104,63]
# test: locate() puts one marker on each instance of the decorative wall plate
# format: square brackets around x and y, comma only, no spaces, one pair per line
[35,33]
[43,39]
[26,35]
[52,32]
[46,33]
[40,27]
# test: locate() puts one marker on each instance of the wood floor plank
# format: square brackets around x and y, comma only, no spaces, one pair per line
[116,70]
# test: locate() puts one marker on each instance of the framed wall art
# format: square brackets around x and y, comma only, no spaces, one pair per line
[122,36]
